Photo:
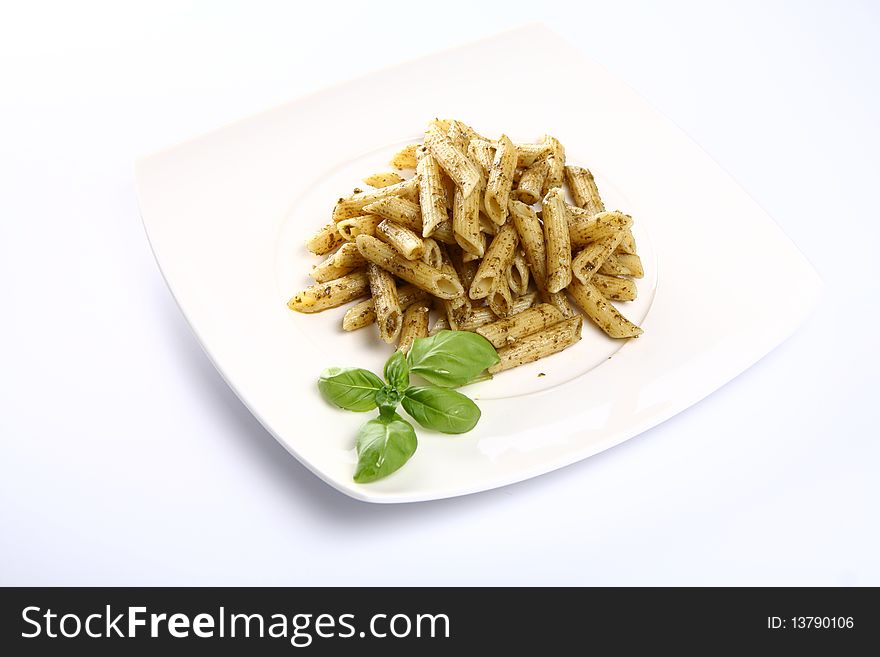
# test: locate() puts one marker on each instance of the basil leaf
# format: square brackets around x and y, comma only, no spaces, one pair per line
[383,445]
[351,388]
[451,359]
[441,409]
[387,399]
[397,371]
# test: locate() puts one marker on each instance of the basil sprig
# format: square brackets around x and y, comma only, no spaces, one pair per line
[447,360]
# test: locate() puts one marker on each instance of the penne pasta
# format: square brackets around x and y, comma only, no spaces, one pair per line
[505,331]
[405,158]
[494,265]
[404,241]
[583,189]
[432,256]
[518,274]
[329,270]
[397,209]
[366,224]
[528,154]
[613,288]
[627,245]
[464,173]
[325,240]
[384,179]
[440,325]
[461,237]
[415,325]
[364,313]
[601,311]
[353,205]
[416,272]
[482,153]
[482,315]
[590,259]
[500,299]
[622,265]
[500,180]
[331,294]
[583,231]
[531,237]
[466,222]
[532,182]
[432,195]
[546,342]
[386,305]
[556,161]
[556,240]
[457,309]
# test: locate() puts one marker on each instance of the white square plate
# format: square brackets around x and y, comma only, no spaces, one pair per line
[227,214]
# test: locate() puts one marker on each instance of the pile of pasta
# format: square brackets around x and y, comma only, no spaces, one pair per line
[462,236]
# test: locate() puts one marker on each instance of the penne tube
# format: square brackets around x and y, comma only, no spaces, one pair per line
[386,304]
[331,294]
[532,182]
[404,241]
[353,205]
[556,161]
[471,257]
[518,274]
[583,189]
[338,264]
[458,136]
[432,256]
[366,224]
[325,240]
[583,231]
[601,311]
[464,173]
[457,309]
[528,154]
[627,245]
[416,272]
[364,313]
[613,288]
[534,319]
[397,209]
[590,259]
[487,226]
[495,263]
[500,180]
[546,342]
[500,299]
[556,241]
[466,222]
[444,233]
[384,179]
[415,325]
[440,325]
[432,195]
[348,256]
[482,153]
[405,158]
[622,265]
[482,315]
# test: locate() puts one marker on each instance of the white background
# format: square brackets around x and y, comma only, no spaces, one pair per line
[126,459]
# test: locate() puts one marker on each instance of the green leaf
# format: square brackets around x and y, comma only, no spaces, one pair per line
[451,359]
[397,371]
[387,399]
[351,388]
[383,445]
[441,409]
